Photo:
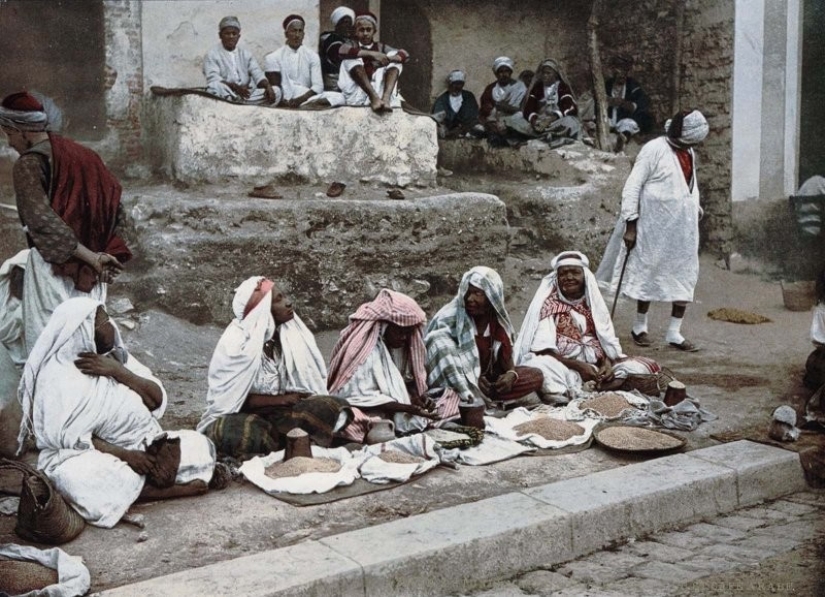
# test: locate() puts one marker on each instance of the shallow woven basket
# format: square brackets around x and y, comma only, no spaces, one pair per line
[798,296]
[43,515]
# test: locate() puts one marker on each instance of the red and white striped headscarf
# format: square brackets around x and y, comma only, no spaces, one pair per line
[358,339]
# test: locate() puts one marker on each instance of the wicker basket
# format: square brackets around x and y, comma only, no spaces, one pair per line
[799,296]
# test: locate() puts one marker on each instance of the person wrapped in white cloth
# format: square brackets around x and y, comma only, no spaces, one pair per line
[267,377]
[568,334]
[93,411]
[657,233]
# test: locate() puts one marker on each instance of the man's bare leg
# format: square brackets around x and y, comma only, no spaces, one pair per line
[196,487]
[359,75]
[390,80]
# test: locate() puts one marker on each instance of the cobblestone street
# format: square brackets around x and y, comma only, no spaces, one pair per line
[774,548]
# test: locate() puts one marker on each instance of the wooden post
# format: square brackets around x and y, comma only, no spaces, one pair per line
[597,79]
[297,444]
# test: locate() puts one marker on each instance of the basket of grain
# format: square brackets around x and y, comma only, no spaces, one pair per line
[637,440]
[798,296]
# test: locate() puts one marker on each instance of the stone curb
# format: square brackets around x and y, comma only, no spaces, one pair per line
[459,548]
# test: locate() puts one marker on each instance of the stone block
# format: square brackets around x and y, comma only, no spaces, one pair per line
[771,544]
[763,472]
[640,498]
[734,553]
[717,533]
[302,570]
[740,523]
[641,587]
[196,139]
[617,559]
[707,565]
[667,573]
[683,539]
[792,508]
[458,548]
[545,582]
[328,255]
[661,552]
[591,573]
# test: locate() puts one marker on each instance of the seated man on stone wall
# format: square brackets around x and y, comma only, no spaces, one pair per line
[378,363]
[267,377]
[370,69]
[231,71]
[294,69]
[455,110]
[501,101]
[330,44]
[93,409]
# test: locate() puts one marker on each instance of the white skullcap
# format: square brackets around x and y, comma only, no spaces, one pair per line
[571,258]
[229,22]
[341,12]
[456,75]
[502,61]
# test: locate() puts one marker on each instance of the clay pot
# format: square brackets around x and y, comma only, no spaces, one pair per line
[381,431]
[472,415]
[297,444]
[675,393]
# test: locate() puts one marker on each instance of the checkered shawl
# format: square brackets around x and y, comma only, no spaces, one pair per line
[452,356]
[359,338]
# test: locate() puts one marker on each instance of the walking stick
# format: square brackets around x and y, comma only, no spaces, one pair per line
[619,286]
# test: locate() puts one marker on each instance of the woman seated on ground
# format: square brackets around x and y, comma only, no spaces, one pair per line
[267,377]
[92,408]
[550,107]
[568,334]
[377,365]
[470,348]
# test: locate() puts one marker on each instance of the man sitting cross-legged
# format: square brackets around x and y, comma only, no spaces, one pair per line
[92,409]
[267,377]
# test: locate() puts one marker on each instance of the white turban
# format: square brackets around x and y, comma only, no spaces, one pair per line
[341,12]
[694,128]
[572,258]
[243,294]
[502,61]
[456,75]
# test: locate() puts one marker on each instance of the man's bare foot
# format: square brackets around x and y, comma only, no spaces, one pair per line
[376,104]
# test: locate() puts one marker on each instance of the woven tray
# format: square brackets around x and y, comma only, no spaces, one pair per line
[637,440]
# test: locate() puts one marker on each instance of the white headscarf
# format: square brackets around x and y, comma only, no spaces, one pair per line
[456,75]
[502,61]
[601,314]
[694,128]
[341,12]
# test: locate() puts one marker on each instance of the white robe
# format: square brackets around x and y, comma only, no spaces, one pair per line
[300,70]
[664,264]
[64,408]
[238,66]
[11,311]
[352,92]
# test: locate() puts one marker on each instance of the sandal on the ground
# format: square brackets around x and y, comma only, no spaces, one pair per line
[640,339]
[685,346]
[266,191]
[335,189]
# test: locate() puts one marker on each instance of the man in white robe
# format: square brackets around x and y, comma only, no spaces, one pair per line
[231,71]
[658,229]
[294,69]
[93,409]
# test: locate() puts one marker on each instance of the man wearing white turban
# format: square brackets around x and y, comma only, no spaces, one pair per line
[657,233]
[455,110]
[330,43]
[501,100]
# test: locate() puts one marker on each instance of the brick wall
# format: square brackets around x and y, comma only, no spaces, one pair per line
[123,83]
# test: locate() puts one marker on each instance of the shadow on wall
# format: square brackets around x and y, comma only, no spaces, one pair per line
[767,231]
[405,25]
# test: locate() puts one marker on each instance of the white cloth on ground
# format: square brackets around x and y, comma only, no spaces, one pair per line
[300,70]
[43,291]
[11,310]
[492,449]
[635,401]
[352,92]
[504,428]
[255,472]
[64,409]
[378,470]
[687,415]
[73,578]
[664,264]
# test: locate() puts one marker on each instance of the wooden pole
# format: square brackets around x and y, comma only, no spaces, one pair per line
[597,79]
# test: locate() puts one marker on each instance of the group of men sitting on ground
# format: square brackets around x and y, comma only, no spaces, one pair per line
[540,104]
[352,69]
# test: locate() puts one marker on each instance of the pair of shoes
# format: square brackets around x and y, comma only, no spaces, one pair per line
[335,189]
[685,346]
[640,339]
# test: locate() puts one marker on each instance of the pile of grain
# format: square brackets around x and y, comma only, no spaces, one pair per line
[737,316]
[636,439]
[550,428]
[300,465]
[608,404]
[400,457]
